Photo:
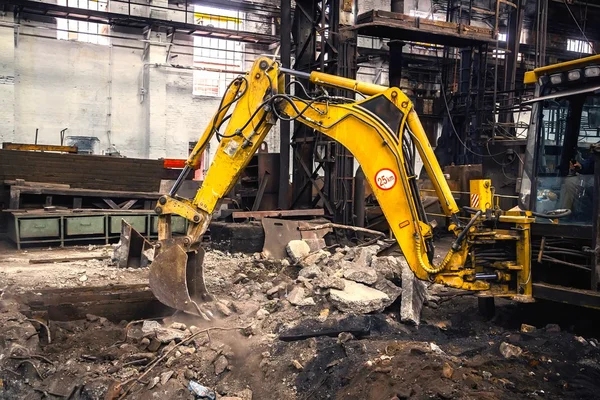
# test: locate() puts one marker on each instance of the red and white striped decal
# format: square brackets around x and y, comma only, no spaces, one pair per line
[474,200]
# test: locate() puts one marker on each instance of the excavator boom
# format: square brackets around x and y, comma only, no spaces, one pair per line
[378,131]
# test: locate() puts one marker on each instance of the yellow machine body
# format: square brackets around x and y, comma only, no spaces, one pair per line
[374,131]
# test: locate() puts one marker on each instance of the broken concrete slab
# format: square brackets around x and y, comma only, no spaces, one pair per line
[509,350]
[358,273]
[298,297]
[310,272]
[414,292]
[388,267]
[358,298]
[166,335]
[297,250]
[221,364]
[364,255]
[388,288]
[314,258]
[325,281]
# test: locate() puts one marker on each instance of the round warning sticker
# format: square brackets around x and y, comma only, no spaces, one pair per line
[385,179]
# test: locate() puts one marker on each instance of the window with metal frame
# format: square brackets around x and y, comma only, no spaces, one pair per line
[579,46]
[220,60]
[83,31]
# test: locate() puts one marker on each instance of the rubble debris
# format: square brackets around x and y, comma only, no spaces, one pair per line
[262,313]
[296,364]
[201,392]
[581,340]
[309,272]
[387,266]
[344,337]
[153,382]
[364,255]
[223,309]
[552,328]
[165,376]
[298,297]
[527,328]
[154,345]
[509,350]
[357,298]
[314,258]
[178,326]
[325,281]
[447,371]
[413,295]
[297,250]
[221,364]
[358,273]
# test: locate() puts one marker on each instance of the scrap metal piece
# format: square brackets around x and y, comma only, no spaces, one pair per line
[134,250]
[278,233]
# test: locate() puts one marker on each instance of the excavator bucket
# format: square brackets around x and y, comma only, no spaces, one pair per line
[177,278]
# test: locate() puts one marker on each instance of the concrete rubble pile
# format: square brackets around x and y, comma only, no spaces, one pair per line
[354,280]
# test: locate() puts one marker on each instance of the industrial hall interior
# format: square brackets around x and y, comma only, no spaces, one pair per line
[299,199]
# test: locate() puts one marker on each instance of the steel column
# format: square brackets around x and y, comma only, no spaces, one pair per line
[285,126]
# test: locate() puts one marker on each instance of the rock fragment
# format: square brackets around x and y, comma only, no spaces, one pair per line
[527,328]
[358,298]
[310,272]
[165,376]
[223,309]
[509,350]
[298,297]
[324,281]
[387,266]
[360,274]
[297,250]
[221,364]
[178,326]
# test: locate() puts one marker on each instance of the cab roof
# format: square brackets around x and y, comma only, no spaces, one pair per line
[533,76]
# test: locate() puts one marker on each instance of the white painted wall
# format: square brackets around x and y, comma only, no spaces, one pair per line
[94,90]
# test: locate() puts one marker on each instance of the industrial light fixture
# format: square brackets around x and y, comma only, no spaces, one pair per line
[556,79]
[574,75]
[592,71]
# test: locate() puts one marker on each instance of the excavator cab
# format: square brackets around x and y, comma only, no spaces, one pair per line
[561,171]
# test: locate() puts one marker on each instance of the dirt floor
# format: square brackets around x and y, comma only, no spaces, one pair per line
[259,345]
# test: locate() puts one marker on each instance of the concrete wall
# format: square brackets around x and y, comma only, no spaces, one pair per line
[95,90]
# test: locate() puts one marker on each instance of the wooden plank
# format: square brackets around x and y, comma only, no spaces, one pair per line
[15,198]
[111,204]
[21,182]
[38,147]
[84,171]
[88,192]
[66,259]
[128,204]
[278,213]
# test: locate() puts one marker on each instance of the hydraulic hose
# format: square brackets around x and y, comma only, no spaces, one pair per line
[427,268]
[560,213]
[434,269]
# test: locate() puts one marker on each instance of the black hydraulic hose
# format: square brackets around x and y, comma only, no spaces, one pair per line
[560,213]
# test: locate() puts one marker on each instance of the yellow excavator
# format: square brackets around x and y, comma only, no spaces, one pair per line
[490,252]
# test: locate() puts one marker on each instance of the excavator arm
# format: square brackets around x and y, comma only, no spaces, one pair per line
[378,131]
